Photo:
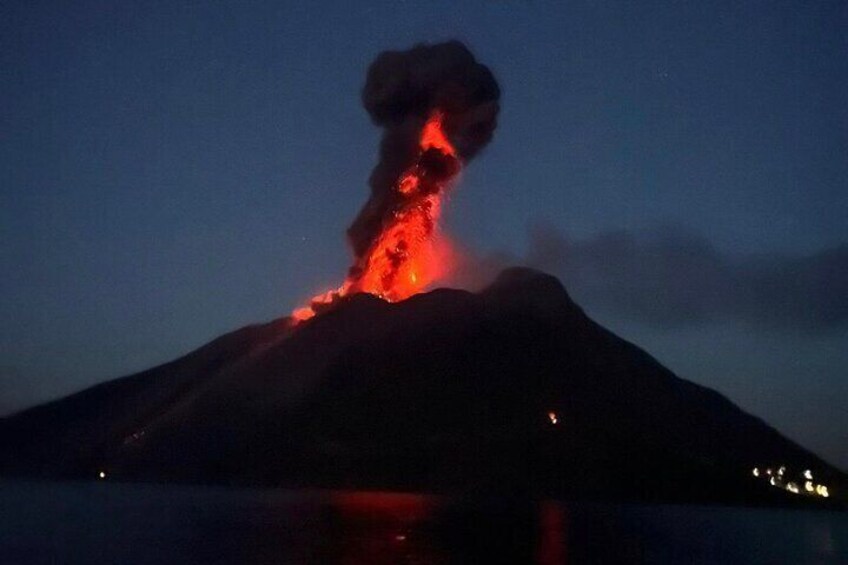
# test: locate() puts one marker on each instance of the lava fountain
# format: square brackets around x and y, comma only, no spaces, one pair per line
[438,107]
[405,257]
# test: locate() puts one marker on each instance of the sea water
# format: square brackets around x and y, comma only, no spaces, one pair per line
[103,522]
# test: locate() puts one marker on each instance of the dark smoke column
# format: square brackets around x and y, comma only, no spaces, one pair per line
[402,90]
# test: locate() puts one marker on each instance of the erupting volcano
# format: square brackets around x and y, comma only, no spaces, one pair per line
[509,390]
[439,107]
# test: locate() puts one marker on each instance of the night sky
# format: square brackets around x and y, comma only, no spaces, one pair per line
[171,171]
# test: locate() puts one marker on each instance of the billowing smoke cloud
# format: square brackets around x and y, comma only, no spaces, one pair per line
[401,90]
[668,278]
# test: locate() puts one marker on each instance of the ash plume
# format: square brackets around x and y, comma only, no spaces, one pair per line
[401,90]
[669,278]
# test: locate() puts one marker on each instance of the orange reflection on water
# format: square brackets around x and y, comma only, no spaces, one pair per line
[552,523]
[391,528]
[383,528]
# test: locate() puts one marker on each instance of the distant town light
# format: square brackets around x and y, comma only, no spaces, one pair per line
[553,418]
[780,479]
[102,474]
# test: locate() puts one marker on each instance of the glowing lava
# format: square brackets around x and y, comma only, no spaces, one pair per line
[408,255]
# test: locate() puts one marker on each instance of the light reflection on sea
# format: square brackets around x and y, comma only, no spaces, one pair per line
[114,523]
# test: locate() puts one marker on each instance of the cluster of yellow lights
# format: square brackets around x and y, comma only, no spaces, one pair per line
[776,479]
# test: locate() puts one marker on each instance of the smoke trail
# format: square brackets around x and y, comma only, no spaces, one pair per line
[402,89]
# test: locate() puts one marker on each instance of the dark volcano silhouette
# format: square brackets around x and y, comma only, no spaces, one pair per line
[448,391]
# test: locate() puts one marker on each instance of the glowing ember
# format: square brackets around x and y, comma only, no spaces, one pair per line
[408,255]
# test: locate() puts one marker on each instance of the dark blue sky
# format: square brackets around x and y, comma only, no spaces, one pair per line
[170,171]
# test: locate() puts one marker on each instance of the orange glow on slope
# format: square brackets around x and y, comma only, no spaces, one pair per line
[324,299]
[408,255]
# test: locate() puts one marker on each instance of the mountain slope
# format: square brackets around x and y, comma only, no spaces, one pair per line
[448,390]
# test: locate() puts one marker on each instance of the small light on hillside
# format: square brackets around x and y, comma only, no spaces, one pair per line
[756,472]
[808,475]
[553,418]
[102,475]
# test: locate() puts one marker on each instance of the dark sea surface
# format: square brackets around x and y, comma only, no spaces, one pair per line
[102,522]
